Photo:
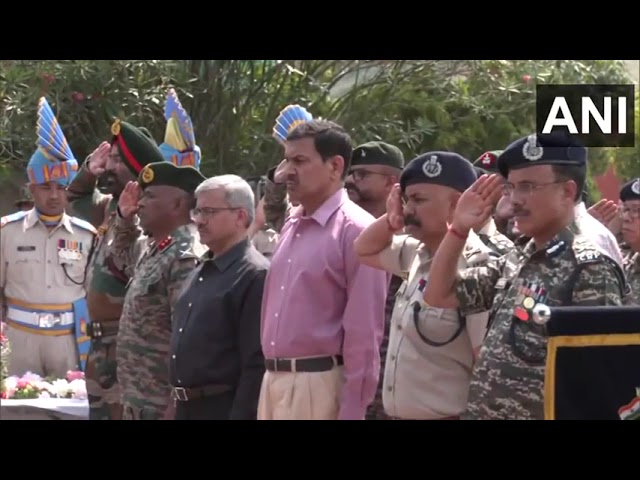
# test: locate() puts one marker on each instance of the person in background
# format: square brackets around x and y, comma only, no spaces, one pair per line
[263,237]
[43,258]
[375,169]
[179,146]
[322,310]
[216,364]
[25,199]
[492,236]
[630,214]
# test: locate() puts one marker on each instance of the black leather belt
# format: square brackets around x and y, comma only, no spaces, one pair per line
[185,394]
[103,329]
[319,364]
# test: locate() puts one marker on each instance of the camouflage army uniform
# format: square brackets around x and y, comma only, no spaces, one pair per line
[632,273]
[106,286]
[508,379]
[276,205]
[145,326]
[493,239]
[376,409]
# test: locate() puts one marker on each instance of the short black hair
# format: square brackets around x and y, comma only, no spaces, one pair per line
[329,139]
[576,173]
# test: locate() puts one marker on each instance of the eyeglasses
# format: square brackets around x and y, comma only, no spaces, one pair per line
[525,189]
[361,173]
[632,212]
[208,212]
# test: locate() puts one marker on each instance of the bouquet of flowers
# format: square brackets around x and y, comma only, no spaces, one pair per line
[31,386]
[4,357]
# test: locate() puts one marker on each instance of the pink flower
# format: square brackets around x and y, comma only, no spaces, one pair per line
[31,377]
[77,375]
[22,384]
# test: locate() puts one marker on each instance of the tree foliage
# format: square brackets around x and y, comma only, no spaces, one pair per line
[467,106]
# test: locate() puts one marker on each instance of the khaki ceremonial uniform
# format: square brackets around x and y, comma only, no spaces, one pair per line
[265,241]
[425,381]
[38,294]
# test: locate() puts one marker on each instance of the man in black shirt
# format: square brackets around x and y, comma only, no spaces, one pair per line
[216,361]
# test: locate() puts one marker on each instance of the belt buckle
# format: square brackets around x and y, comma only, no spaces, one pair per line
[48,320]
[179,393]
[95,329]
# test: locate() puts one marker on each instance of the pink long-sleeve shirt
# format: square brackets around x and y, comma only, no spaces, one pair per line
[319,300]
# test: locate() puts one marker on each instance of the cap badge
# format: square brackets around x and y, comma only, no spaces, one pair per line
[531,150]
[432,167]
[635,187]
[115,128]
[486,159]
[147,174]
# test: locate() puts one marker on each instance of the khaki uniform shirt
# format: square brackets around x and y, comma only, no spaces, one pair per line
[423,381]
[31,257]
[265,241]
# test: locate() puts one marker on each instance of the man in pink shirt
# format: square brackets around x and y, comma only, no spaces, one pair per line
[322,310]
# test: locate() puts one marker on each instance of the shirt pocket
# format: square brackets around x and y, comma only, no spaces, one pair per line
[434,326]
[26,269]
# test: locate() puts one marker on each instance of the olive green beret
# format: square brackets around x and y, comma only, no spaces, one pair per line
[166,173]
[377,153]
[136,146]
[488,161]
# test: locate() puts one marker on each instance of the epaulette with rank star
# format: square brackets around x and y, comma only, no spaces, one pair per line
[164,243]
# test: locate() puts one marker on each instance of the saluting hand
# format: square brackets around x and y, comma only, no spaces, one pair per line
[128,201]
[98,159]
[395,214]
[475,205]
[606,212]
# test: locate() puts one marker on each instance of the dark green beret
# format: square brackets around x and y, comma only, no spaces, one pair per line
[24,197]
[440,168]
[136,146]
[488,161]
[166,173]
[377,153]
[552,149]
[630,190]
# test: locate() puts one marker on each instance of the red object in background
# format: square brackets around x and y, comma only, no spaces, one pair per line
[78,97]
[526,78]
[609,184]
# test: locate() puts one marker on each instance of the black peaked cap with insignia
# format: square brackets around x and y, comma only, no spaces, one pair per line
[167,174]
[440,168]
[377,153]
[630,190]
[553,149]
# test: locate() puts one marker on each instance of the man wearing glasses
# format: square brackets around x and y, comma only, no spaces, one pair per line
[556,266]
[375,169]
[216,363]
[630,213]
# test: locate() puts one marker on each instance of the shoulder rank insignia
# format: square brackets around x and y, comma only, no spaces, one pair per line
[164,244]
[83,224]
[14,217]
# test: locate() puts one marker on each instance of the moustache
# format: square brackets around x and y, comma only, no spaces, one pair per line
[411,220]
[352,187]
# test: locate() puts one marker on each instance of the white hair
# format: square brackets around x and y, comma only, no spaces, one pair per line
[237,192]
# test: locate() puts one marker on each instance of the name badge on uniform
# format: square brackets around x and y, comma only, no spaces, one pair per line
[69,250]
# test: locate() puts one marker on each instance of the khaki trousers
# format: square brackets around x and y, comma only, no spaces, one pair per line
[44,355]
[301,395]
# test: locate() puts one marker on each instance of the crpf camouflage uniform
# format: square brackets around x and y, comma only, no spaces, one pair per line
[276,203]
[570,270]
[632,273]
[492,238]
[107,275]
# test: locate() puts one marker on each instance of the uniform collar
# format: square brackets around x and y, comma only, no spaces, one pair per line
[32,219]
[489,229]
